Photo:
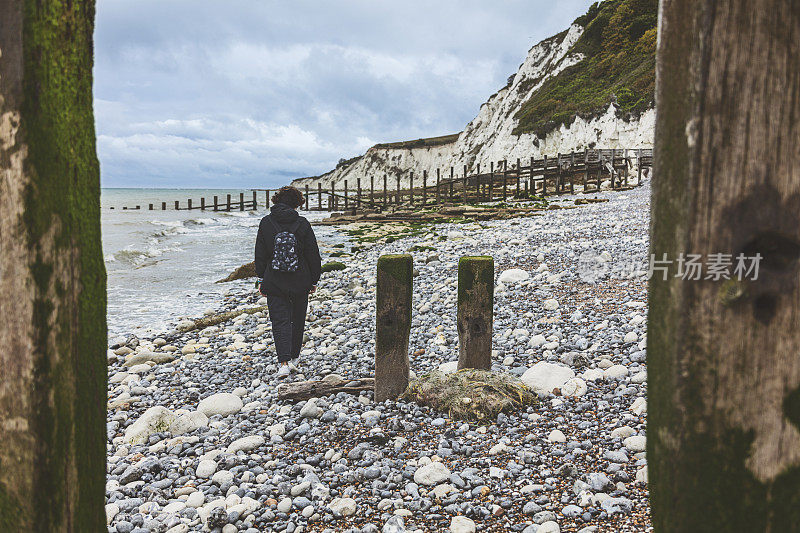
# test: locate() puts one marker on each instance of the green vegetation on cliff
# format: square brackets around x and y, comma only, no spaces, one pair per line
[619,46]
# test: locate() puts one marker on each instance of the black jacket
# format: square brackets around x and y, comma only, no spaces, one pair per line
[301,281]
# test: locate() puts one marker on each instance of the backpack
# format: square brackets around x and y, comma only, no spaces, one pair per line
[285,257]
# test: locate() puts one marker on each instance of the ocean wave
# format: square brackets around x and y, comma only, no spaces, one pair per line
[139,257]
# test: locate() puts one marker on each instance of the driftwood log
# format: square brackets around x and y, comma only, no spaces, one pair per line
[303,390]
[219,318]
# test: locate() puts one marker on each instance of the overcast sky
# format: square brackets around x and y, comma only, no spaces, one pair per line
[197,93]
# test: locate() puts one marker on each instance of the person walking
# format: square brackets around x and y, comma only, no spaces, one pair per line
[289,264]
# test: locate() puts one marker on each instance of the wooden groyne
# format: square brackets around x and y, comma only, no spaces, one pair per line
[501,181]
[520,179]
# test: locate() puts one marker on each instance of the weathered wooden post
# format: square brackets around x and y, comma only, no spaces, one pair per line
[333,197]
[613,168]
[424,187]
[216,203]
[392,325]
[163,206]
[490,196]
[572,172]
[307,198]
[151,207]
[319,195]
[385,190]
[639,166]
[241,201]
[255,199]
[465,183]
[397,198]
[358,193]
[530,178]
[266,198]
[189,204]
[519,175]
[411,188]
[202,204]
[177,205]
[544,176]
[723,424]
[475,312]
[53,336]
[478,184]
[372,191]
[452,184]
[346,201]
[505,171]
[438,181]
[228,198]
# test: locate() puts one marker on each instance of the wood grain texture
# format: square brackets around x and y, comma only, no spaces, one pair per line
[724,356]
[52,276]
[393,291]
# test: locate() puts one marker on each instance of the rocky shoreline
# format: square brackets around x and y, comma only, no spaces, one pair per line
[198,440]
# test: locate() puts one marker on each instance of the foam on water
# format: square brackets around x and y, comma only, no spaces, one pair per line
[162,265]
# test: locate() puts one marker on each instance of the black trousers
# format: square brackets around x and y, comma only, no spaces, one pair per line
[287,312]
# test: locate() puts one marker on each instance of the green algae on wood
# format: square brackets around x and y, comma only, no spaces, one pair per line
[393,294]
[52,347]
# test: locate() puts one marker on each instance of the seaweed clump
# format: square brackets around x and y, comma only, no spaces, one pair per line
[470,394]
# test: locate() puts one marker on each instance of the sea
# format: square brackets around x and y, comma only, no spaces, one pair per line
[163,265]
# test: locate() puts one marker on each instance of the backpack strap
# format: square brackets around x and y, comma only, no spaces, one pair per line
[292,229]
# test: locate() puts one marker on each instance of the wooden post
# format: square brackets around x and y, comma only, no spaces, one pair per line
[478,184]
[519,175]
[53,335]
[385,191]
[163,206]
[530,178]
[572,172]
[266,196]
[306,197]
[345,195]
[559,176]
[491,182]
[411,188]
[424,187]
[255,199]
[438,181]
[464,188]
[372,191]
[177,205]
[723,423]
[241,201]
[585,168]
[189,204]
[505,171]
[639,166]
[203,203]
[228,201]
[358,193]
[151,207]
[333,197]
[613,168]
[475,312]
[216,203]
[397,198]
[544,179]
[452,184]
[393,292]
[319,195]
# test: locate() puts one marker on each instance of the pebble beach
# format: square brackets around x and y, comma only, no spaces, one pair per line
[199,441]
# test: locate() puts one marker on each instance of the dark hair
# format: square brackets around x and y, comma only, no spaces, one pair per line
[288,195]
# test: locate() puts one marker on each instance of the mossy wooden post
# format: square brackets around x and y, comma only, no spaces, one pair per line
[392,325]
[52,279]
[475,311]
[723,427]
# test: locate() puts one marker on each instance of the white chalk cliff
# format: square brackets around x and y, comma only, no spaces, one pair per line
[488,137]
